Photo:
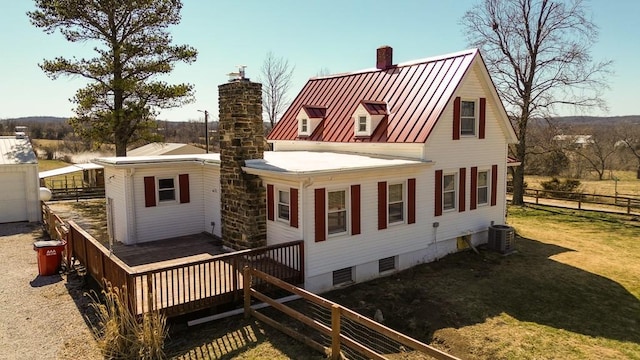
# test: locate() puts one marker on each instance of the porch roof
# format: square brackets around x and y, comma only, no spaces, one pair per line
[304,163]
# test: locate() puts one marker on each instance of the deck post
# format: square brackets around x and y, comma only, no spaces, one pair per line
[335,332]
[247,291]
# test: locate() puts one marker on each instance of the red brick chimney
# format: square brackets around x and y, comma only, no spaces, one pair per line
[385,57]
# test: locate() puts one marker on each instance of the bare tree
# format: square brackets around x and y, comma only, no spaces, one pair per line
[597,148]
[630,136]
[275,77]
[538,53]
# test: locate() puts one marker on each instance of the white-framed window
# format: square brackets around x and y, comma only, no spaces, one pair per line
[166,189]
[362,124]
[304,126]
[395,203]
[482,191]
[284,205]
[467,117]
[337,212]
[449,192]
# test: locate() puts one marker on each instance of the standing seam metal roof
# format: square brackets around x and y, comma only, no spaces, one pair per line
[16,151]
[415,94]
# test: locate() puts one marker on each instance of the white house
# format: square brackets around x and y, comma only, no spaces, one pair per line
[19,192]
[376,170]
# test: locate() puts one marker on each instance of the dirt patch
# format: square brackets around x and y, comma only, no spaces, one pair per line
[42,316]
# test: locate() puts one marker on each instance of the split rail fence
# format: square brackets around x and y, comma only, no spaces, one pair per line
[349,334]
[626,204]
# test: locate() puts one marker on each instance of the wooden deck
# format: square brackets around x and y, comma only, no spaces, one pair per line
[181,275]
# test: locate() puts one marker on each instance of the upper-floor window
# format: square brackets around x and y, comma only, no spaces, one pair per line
[483,187]
[304,126]
[362,124]
[337,212]
[283,205]
[468,118]
[395,203]
[166,189]
[449,192]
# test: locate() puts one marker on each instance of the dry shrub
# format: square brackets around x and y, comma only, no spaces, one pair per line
[120,333]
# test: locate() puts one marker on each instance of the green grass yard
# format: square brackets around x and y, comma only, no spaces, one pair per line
[572,291]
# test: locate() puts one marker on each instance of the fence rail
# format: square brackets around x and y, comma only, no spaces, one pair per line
[76,193]
[626,204]
[341,340]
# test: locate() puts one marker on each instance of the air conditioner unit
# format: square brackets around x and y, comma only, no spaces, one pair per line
[502,238]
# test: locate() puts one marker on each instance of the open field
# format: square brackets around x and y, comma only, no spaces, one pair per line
[572,291]
[627,184]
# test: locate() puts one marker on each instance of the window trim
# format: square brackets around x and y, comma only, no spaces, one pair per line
[176,190]
[347,211]
[403,201]
[455,192]
[367,124]
[278,203]
[487,186]
[304,123]
[475,118]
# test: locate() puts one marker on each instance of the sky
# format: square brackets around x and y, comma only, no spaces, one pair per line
[313,35]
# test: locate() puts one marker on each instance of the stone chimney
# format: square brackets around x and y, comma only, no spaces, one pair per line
[243,203]
[384,60]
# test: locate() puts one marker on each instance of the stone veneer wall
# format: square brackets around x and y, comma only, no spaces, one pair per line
[241,131]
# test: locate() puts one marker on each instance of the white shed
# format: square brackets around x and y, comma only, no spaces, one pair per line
[19,193]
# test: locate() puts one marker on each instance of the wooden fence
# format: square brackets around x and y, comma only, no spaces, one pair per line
[624,203]
[76,193]
[339,315]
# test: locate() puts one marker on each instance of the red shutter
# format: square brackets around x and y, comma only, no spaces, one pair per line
[382,205]
[438,194]
[462,189]
[474,188]
[411,201]
[293,215]
[355,209]
[320,209]
[149,191]
[494,185]
[456,119]
[270,202]
[183,183]
[483,118]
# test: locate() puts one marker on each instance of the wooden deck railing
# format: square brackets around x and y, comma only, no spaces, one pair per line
[57,230]
[180,287]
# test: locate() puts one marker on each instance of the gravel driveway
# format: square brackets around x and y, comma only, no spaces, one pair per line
[40,316]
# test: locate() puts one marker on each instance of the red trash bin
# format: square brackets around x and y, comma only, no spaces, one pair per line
[49,256]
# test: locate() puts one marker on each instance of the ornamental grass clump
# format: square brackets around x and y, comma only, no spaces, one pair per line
[120,333]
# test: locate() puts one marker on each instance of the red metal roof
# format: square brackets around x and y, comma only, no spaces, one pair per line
[375,107]
[315,111]
[415,95]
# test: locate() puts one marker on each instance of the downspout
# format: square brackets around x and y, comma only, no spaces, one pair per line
[134,229]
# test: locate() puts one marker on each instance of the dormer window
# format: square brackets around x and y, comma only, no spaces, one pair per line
[309,117]
[362,124]
[368,116]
